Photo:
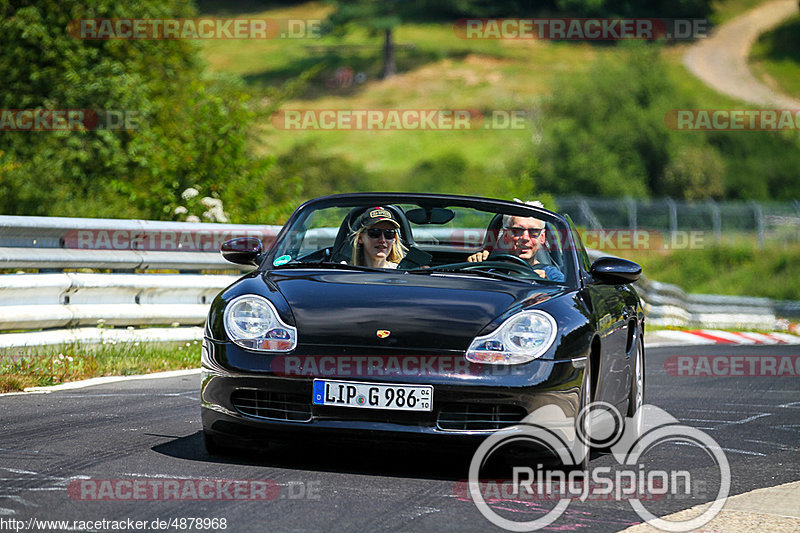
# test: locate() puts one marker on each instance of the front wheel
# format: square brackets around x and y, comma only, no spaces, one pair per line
[582,448]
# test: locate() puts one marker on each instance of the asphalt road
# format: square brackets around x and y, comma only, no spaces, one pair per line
[57,449]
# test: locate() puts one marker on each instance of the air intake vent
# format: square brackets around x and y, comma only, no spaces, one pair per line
[272,405]
[479,417]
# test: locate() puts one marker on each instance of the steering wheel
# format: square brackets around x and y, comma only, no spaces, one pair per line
[497,265]
[502,261]
[504,256]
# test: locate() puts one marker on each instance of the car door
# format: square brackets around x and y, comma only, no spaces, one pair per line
[609,313]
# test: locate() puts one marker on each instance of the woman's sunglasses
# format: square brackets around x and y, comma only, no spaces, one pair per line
[388,234]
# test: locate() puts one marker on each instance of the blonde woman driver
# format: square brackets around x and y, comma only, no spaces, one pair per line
[376,239]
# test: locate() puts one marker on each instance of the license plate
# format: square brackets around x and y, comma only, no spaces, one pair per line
[373,395]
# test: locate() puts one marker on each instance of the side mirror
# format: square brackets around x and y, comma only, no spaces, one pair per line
[242,251]
[615,271]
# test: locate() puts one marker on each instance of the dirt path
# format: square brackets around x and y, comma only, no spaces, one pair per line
[721,60]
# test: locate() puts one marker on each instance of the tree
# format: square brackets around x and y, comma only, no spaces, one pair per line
[604,134]
[191,129]
[379,17]
[635,8]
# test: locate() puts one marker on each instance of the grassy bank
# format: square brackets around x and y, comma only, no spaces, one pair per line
[36,367]
[735,270]
[436,70]
[775,57]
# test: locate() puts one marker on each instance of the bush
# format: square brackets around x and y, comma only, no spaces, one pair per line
[604,132]
[193,129]
[300,174]
[605,135]
[452,173]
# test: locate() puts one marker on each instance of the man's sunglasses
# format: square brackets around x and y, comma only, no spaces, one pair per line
[388,234]
[519,232]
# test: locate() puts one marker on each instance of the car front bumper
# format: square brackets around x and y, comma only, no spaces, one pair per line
[253,408]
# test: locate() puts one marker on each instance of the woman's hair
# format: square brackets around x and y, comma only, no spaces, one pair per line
[396,253]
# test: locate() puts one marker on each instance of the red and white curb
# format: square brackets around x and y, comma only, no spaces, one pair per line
[716,336]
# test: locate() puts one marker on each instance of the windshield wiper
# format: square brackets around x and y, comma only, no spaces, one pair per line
[327,264]
[454,269]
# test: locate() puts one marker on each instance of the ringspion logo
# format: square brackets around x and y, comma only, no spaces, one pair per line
[569,438]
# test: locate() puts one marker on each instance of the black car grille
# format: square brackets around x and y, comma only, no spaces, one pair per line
[272,405]
[479,417]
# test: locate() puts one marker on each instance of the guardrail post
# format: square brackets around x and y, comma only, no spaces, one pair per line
[588,214]
[673,219]
[797,208]
[631,205]
[716,221]
[759,218]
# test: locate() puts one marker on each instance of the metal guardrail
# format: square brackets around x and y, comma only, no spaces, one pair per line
[51,302]
[718,221]
[32,301]
[668,305]
[57,243]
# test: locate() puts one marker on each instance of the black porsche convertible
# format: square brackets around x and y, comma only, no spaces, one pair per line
[431,316]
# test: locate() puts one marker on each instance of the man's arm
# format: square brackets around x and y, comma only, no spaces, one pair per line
[552,273]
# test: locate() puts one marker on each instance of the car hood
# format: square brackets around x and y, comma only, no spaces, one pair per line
[420,311]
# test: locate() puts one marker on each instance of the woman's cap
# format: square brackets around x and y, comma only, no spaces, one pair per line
[373,215]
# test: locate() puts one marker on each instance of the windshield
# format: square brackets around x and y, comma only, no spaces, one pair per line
[438,238]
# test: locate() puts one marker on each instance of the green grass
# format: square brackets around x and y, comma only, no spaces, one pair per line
[775,57]
[725,10]
[743,269]
[36,367]
[436,70]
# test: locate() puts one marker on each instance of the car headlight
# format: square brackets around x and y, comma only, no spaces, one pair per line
[252,322]
[520,339]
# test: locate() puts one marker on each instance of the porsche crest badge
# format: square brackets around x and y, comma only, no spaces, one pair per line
[383,333]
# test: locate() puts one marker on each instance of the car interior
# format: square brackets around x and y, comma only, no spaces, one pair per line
[427,253]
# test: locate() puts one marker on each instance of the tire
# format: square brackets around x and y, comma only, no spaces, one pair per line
[584,450]
[636,398]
